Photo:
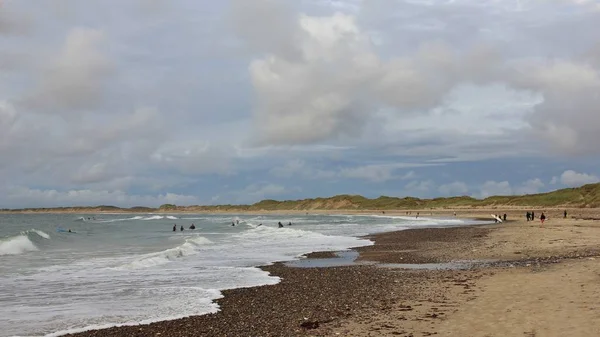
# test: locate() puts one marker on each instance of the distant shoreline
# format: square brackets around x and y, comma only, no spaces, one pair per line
[584,197]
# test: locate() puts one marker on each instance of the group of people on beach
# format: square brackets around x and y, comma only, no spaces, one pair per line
[531,216]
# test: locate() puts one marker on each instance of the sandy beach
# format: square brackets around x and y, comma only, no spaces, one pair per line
[523,279]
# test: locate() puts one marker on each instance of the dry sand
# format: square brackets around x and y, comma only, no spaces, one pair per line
[547,283]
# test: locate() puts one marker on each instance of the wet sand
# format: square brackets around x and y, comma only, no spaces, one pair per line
[537,281]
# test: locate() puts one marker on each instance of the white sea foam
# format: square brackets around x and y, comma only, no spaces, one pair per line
[16,245]
[171,217]
[40,233]
[189,247]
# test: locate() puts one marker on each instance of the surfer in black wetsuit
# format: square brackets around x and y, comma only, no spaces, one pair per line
[192,226]
[289,224]
[174,228]
[233,223]
[280,224]
[182,228]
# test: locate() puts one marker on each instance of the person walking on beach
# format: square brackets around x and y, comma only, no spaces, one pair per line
[504,217]
[532,216]
[528,216]
[565,214]
[542,218]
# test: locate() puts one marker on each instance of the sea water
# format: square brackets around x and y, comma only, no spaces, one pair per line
[118,269]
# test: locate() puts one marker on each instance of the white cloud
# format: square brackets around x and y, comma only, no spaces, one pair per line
[572,179]
[457,188]
[531,186]
[419,188]
[26,197]
[334,82]
[492,188]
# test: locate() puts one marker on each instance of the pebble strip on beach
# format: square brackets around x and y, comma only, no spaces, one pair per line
[312,301]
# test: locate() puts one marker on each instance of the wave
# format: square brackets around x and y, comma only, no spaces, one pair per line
[22,243]
[171,217]
[189,247]
[17,245]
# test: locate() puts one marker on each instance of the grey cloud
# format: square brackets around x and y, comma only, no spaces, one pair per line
[569,116]
[12,21]
[77,78]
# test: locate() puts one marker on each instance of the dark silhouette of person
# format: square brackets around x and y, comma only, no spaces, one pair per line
[504,217]
[192,226]
[289,224]
[528,216]
[174,228]
[182,228]
[233,223]
[542,218]
[532,216]
[280,224]
[565,216]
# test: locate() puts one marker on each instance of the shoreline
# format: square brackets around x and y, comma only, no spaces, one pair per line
[360,299]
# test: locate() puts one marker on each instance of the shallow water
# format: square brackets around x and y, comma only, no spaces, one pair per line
[126,269]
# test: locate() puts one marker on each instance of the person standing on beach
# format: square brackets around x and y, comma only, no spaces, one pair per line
[565,214]
[528,215]
[417,215]
[504,217]
[532,216]
[542,218]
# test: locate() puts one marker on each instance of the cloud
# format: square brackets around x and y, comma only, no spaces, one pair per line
[490,188]
[27,197]
[337,83]
[569,115]
[373,173]
[13,22]
[573,179]
[419,188]
[77,78]
[456,188]
[531,186]
[503,188]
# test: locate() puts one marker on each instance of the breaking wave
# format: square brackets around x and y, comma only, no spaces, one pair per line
[20,244]
[189,247]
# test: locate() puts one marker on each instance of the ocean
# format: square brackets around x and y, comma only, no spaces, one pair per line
[117,269]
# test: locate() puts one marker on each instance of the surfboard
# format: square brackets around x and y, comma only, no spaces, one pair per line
[496,217]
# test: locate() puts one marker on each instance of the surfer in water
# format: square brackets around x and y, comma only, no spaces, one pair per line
[174,228]
[233,223]
[289,224]
[192,226]
[280,224]
[182,228]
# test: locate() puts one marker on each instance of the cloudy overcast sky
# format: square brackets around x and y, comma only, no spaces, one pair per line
[145,102]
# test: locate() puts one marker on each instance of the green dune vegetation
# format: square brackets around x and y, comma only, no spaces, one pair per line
[587,196]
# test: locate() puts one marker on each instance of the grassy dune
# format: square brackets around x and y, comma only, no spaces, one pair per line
[587,196]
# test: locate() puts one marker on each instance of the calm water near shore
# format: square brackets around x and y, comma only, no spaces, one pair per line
[125,269]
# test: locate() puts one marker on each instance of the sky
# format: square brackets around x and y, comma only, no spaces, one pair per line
[147,102]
